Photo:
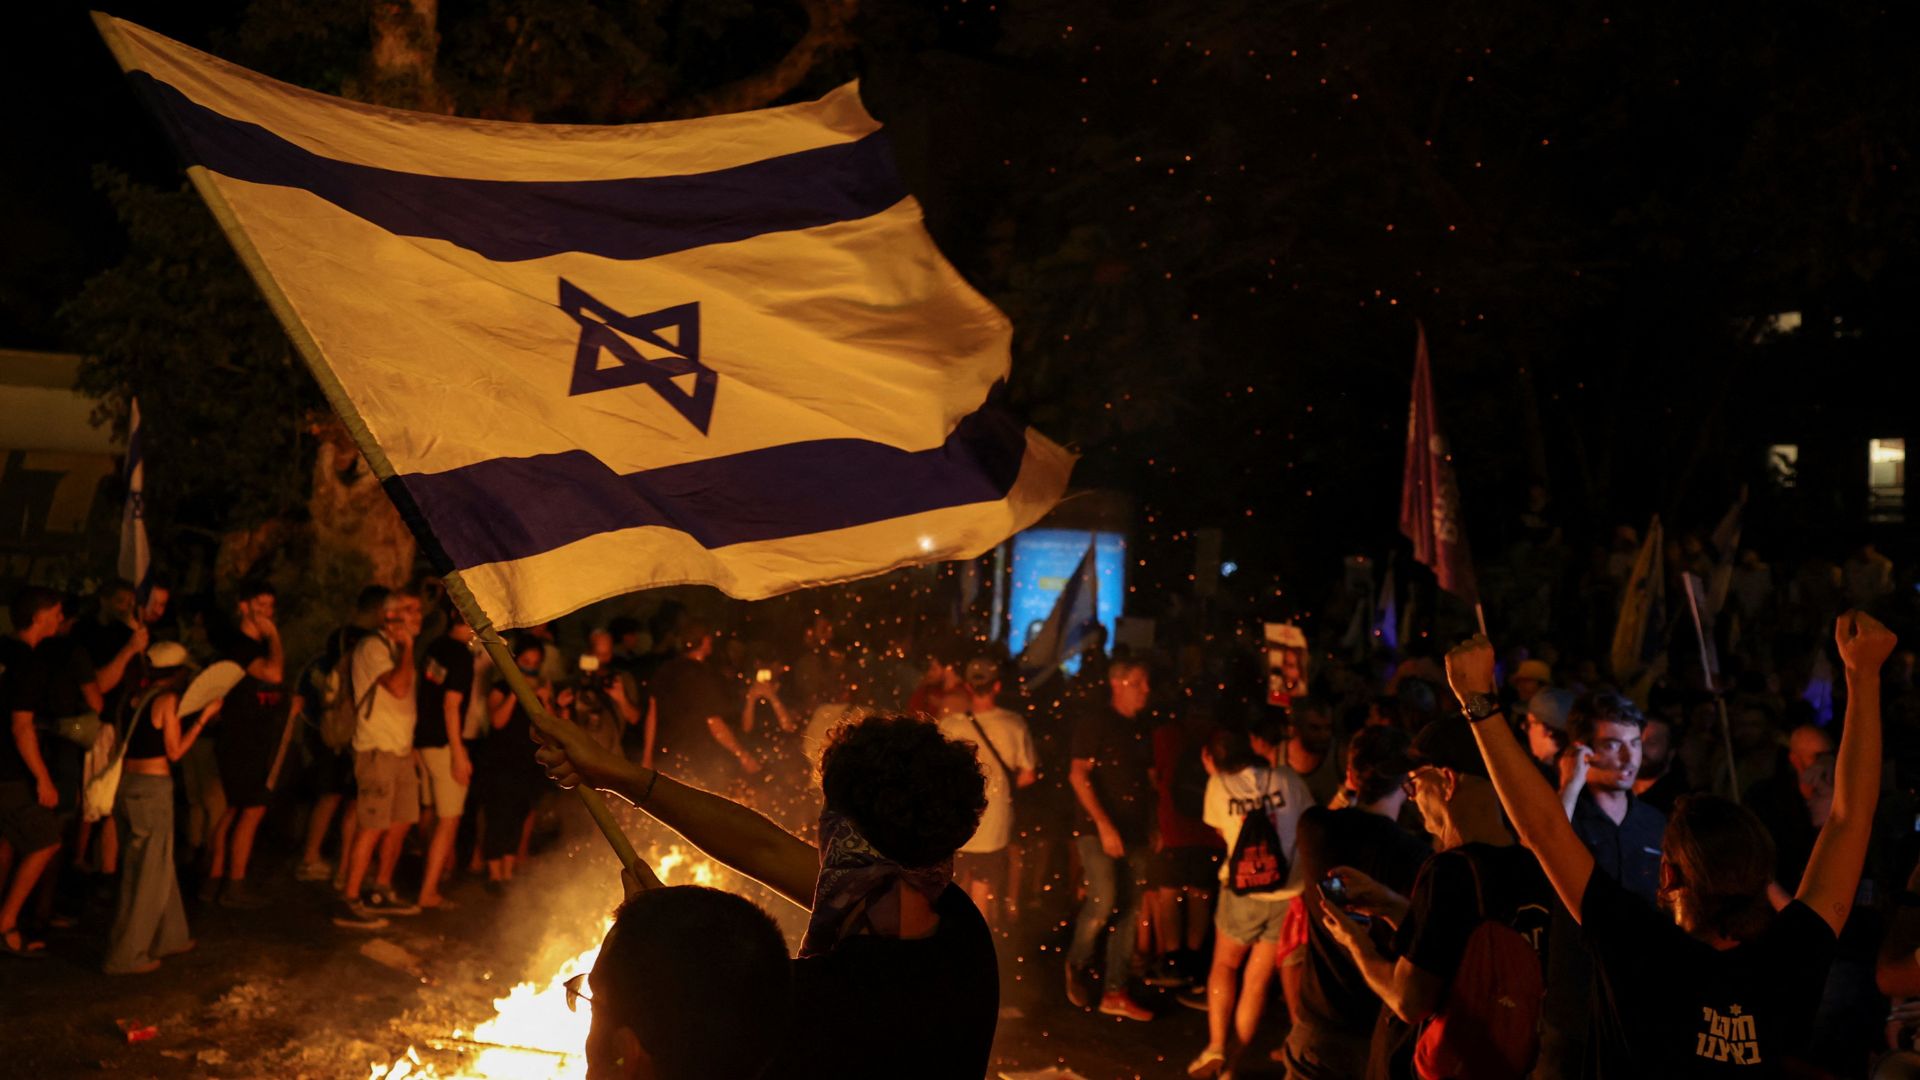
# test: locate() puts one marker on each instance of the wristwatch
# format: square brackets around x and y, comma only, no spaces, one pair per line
[1480,706]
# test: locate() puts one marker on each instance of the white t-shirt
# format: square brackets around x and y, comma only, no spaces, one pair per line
[826,716]
[1010,737]
[1231,796]
[388,724]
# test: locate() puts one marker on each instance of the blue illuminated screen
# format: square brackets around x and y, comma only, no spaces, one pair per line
[1043,560]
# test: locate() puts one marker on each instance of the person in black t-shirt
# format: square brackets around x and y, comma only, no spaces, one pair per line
[897,976]
[1112,779]
[1476,867]
[1332,1030]
[256,719]
[1721,984]
[688,732]
[506,781]
[446,681]
[1597,774]
[28,794]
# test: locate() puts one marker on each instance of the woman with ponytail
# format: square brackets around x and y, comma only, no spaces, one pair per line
[1718,981]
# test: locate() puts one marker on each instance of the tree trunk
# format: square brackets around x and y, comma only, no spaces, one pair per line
[402,67]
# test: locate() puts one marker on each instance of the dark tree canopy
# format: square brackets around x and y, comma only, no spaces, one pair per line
[1214,226]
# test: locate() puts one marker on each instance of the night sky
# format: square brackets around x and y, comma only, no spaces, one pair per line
[1215,225]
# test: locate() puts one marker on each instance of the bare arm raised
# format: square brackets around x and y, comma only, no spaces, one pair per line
[1833,871]
[1530,802]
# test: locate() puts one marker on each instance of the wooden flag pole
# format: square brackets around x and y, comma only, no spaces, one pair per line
[489,639]
[376,459]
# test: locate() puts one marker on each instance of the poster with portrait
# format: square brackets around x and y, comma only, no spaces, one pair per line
[1286,662]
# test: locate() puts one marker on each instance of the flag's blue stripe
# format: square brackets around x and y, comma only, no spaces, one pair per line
[513,508]
[512,220]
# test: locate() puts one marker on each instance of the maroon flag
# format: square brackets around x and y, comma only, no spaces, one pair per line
[1429,495]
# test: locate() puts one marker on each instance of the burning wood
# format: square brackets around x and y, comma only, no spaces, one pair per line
[533,1035]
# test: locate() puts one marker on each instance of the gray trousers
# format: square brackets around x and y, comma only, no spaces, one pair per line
[151,921]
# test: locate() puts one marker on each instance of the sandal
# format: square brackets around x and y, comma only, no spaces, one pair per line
[17,945]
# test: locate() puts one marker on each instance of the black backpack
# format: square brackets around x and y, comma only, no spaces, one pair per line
[1258,864]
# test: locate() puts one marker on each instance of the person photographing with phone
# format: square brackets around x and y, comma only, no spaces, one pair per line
[1461,977]
[1714,981]
[1359,855]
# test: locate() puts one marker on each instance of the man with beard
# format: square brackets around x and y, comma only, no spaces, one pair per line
[1662,779]
[1623,833]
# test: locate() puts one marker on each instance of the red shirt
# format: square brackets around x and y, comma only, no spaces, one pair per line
[1170,745]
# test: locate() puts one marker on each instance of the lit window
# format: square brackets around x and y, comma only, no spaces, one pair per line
[1783,464]
[1886,479]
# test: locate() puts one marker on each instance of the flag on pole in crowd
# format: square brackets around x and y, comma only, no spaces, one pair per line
[1430,494]
[1072,623]
[589,360]
[1703,627]
[1642,605]
[1386,623]
[134,557]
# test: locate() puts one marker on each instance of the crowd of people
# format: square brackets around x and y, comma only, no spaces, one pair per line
[1490,864]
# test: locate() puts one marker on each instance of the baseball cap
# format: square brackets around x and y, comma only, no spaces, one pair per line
[982,672]
[1550,707]
[166,654]
[1537,670]
[1448,743]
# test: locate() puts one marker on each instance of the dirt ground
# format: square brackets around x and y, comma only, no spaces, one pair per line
[280,992]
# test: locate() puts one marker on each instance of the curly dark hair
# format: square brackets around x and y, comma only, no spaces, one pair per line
[916,794]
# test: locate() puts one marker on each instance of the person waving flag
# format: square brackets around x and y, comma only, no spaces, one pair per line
[589,360]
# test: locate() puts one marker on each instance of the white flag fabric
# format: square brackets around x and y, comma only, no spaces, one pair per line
[598,359]
[1071,625]
[134,557]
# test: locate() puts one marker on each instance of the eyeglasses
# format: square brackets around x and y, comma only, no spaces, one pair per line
[575,995]
[1410,782]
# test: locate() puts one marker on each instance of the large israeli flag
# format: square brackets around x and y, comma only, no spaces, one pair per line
[588,360]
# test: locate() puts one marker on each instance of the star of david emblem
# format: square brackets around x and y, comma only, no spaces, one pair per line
[660,349]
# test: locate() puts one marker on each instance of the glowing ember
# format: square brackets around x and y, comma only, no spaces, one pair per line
[533,1035]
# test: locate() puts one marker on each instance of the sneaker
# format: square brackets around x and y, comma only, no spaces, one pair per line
[354,916]
[1117,1003]
[1193,998]
[1078,992]
[241,897]
[384,902]
[1209,1064]
[313,871]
